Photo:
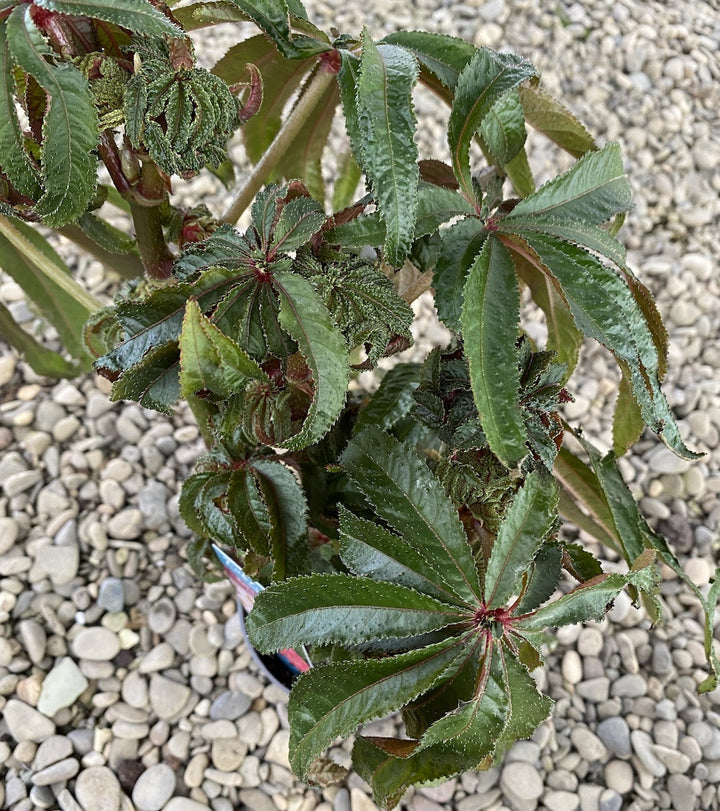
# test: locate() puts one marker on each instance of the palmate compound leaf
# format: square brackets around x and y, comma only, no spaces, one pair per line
[306,319]
[335,699]
[604,308]
[412,501]
[386,120]
[323,609]
[490,319]
[483,82]
[528,522]
[70,127]
[139,16]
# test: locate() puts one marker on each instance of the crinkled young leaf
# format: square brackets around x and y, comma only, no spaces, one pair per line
[370,550]
[485,79]
[210,362]
[503,128]
[308,322]
[70,127]
[330,701]
[281,77]
[393,399]
[43,361]
[154,382]
[554,120]
[460,245]
[298,221]
[605,309]
[387,122]
[457,742]
[529,520]
[288,510]
[323,609]
[490,318]
[588,601]
[594,190]
[14,159]
[407,495]
[139,16]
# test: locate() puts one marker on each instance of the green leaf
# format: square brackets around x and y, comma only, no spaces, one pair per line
[550,117]
[249,511]
[441,57]
[605,309]
[490,317]
[348,177]
[457,742]
[43,361]
[528,522]
[412,501]
[543,578]
[324,609]
[210,362]
[503,129]
[628,423]
[594,190]
[528,709]
[460,245]
[347,78]
[332,700]
[139,16]
[280,79]
[14,159]
[202,506]
[306,319]
[208,12]
[299,220]
[154,382]
[104,235]
[303,158]
[393,399]
[386,120]
[272,16]
[485,79]
[370,550]
[70,127]
[30,260]
[589,601]
[288,510]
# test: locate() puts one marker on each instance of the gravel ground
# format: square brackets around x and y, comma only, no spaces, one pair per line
[123,680]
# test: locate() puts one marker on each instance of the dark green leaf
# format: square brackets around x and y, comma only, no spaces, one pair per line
[406,495]
[210,362]
[306,319]
[272,16]
[348,177]
[154,381]
[106,236]
[589,601]
[460,245]
[441,57]
[249,512]
[628,423]
[288,510]
[503,129]
[208,12]
[520,174]
[203,508]
[139,16]
[527,523]
[14,159]
[549,116]
[393,400]
[543,577]
[298,221]
[581,564]
[323,609]
[528,709]
[43,361]
[70,128]
[490,317]
[348,77]
[389,154]
[370,550]
[594,190]
[483,82]
[333,700]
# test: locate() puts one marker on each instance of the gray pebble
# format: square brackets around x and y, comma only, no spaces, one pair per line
[162,616]
[630,685]
[111,596]
[33,639]
[615,734]
[610,800]
[96,644]
[61,687]
[154,788]
[97,789]
[58,772]
[230,705]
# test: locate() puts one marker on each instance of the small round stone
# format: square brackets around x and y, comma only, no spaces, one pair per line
[25,723]
[97,789]
[96,644]
[619,776]
[154,788]
[521,780]
[615,734]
